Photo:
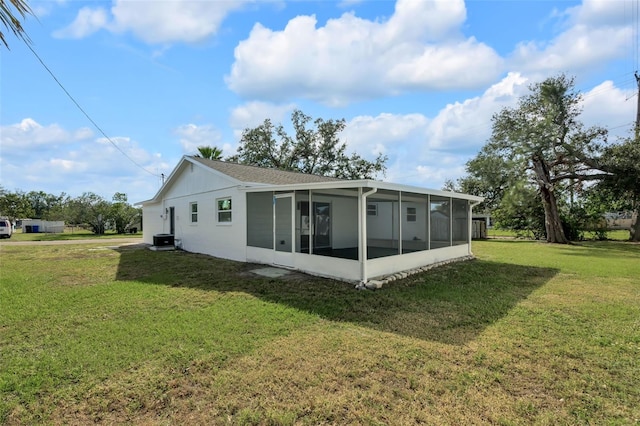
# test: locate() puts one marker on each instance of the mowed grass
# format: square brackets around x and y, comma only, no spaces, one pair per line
[527,333]
[68,234]
[617,234]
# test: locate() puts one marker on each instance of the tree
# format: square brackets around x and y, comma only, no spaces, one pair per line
[490,175]
[14,205]
[121,214]
[89,209]
[10,20]
[45,206]
[209,152]
[544,136]
[314,149]
[521,211]
[620,189]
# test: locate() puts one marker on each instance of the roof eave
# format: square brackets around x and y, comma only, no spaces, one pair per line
[364,183]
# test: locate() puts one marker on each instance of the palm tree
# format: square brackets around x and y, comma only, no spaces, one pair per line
[10,21]
[209,152]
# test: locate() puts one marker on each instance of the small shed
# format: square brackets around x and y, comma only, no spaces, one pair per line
[39,225]
[353,230]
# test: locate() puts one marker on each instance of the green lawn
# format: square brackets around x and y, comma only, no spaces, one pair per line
[617,235]
[527,333]
[68,234]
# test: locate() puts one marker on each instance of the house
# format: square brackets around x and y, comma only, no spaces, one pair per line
[353,230]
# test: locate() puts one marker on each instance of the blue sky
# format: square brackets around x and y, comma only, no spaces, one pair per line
[416,80]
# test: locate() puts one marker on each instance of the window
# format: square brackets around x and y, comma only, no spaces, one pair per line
[411,214]
[193,208]
[372,210]
[224,210]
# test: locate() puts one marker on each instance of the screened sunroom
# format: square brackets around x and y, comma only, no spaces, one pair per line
[356,230]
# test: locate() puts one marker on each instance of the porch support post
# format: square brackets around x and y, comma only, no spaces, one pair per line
[400,216]
[469,225]
[471,205]
[294,238]
[312,222]
[428,222]
[362,232]
[361,250]
[273,218]
[450,222]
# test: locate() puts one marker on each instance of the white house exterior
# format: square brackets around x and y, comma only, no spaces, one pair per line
[354,230]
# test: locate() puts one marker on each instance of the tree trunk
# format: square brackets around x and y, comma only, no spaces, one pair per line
[634,231]
[552,222]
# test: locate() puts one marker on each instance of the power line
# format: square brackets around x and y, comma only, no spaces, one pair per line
[85,113]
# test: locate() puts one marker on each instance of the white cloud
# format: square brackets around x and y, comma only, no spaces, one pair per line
[426,151]
[54,159]
[466,124]
[87,22]
[192,136]
[252,114]
[458,126]
[608,106]
[601,13]
[43,8]
[153,21]
[67,166]
[595,32]
[419,47]
[369,135]
[29,134]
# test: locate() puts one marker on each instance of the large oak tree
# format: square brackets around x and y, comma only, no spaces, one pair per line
[315,148]
[543,137]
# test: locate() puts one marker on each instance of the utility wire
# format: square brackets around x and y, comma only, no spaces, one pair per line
[85,113]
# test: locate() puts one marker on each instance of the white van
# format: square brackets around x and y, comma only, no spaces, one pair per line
[5,228]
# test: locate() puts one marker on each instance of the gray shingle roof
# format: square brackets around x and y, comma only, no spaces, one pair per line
[254,174]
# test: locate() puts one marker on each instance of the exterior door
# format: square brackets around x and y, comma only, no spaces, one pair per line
[283,230]
[172,220]
[322,227]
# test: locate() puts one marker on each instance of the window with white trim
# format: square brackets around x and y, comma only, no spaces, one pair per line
[372,210]
[223,207]
[193,209]
[411,214]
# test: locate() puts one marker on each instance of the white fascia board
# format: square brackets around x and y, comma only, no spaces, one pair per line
[258,187]
[354,184]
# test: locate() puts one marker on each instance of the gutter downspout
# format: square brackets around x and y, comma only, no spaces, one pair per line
[362,232]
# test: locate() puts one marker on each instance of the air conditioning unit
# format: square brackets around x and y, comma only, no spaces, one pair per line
[163,240]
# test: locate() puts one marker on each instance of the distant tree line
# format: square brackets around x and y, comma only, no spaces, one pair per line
[89,210]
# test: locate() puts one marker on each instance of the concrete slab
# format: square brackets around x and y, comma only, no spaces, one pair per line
[162,248]
[271,272]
